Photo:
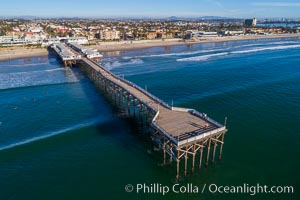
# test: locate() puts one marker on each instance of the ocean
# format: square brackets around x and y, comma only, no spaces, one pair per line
[61,138]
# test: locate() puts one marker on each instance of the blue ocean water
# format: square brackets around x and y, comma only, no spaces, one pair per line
[60,138]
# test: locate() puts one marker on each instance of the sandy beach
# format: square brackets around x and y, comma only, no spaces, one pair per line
[126,45]
[8,53]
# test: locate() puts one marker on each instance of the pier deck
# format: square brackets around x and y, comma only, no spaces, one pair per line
[180,126]
[66,55]
[179,132]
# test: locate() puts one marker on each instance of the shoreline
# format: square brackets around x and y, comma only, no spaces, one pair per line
[11,53]
[121,46]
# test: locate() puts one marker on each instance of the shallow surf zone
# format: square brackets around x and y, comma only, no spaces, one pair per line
[200,58]
[39,77]
[112,63]
[243,51]
[267,49]
[179,51]
[158,59]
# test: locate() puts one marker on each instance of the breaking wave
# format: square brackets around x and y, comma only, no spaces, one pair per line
[208,51]
[205,57]
[200,58]
[267,44]
[267,48]
[182,53]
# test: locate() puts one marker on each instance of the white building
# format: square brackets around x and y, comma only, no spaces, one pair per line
[200,34]
[78,40]
[34,38]
[232,33]
[11,40]
[88,52]
[50,41]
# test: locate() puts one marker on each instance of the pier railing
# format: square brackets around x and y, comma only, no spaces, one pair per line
[159,101]
[146,93]
[198,114]
[199,137]
[153,122]
[134,86]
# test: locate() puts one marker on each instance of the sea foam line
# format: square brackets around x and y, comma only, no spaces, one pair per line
[208,51]
[205,57]
[116,63]
[267,48]
[36,78]
[24,65]
[34,72]
[180,54]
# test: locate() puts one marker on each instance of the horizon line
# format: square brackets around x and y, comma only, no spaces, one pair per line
[137,17]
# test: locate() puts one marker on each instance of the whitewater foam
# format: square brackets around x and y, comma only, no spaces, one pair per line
[181,54]
[201,58]
[24,65]
[35,78]
[267,44]
[267,48]
[208,51]
[117,63]
[206,57]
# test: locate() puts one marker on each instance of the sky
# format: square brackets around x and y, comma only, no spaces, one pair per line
[151,8]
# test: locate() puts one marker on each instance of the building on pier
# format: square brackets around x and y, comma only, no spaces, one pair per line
[51,41]
[86,51]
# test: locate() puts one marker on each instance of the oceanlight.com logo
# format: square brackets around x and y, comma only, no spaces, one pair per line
[157,188]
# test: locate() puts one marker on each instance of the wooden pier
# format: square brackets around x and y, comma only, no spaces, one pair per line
[67,56]
[181,134]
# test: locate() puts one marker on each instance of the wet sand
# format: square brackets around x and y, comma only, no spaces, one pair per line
[9,53]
